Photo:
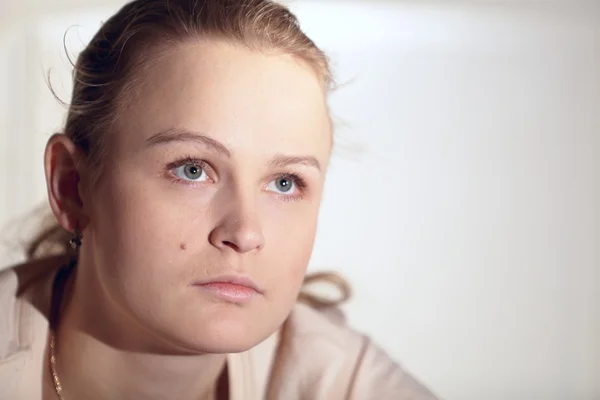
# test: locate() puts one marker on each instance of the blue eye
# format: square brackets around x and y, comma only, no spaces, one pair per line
[283,185]
[190,172]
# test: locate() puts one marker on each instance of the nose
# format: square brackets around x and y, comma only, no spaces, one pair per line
[239,231]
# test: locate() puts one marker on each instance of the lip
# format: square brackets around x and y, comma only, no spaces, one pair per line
[231,288]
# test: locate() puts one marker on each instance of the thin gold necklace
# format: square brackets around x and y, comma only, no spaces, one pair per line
[52,358]
[58,289]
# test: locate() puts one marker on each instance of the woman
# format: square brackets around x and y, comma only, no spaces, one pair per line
[189,176]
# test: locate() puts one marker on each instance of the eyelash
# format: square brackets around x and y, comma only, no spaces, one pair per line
[296,177]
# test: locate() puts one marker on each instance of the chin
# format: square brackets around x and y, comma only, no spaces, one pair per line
[230,336]
[219,327]
[224,330]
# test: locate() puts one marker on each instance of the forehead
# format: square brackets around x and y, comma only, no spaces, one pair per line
[249,100]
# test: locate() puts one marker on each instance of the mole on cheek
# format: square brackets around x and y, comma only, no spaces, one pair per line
[183,246]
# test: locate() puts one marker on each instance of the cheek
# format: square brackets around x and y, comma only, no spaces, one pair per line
[288,245]
[139,233]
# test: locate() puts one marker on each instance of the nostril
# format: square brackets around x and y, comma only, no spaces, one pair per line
[230,244]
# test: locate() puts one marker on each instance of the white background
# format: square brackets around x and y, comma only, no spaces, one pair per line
[462,202]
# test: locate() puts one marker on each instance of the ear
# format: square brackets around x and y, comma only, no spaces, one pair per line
[62,163]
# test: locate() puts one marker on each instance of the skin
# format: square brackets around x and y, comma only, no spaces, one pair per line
[248,119]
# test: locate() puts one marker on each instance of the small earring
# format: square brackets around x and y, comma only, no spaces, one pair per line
[75,241]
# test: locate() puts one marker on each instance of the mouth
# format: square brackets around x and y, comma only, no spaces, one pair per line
[232,289]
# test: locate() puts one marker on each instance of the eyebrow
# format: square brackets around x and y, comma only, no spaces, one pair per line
[182,135]
[281,161]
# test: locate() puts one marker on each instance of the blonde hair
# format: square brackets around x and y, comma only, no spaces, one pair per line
[106,69]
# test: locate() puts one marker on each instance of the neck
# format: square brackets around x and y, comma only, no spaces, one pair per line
[92,364]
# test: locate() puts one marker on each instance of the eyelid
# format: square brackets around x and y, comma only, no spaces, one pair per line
[185,161]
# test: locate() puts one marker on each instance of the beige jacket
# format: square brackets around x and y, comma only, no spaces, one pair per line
[313,357]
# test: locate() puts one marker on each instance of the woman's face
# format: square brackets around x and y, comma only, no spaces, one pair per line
[215,171]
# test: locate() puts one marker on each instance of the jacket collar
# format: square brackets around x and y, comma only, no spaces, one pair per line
[24,306]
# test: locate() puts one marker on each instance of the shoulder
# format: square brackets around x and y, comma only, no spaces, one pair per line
[22,281]
[25,290]
[321,357]
[326,328]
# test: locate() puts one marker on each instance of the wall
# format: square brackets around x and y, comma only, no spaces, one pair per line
[462,201]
